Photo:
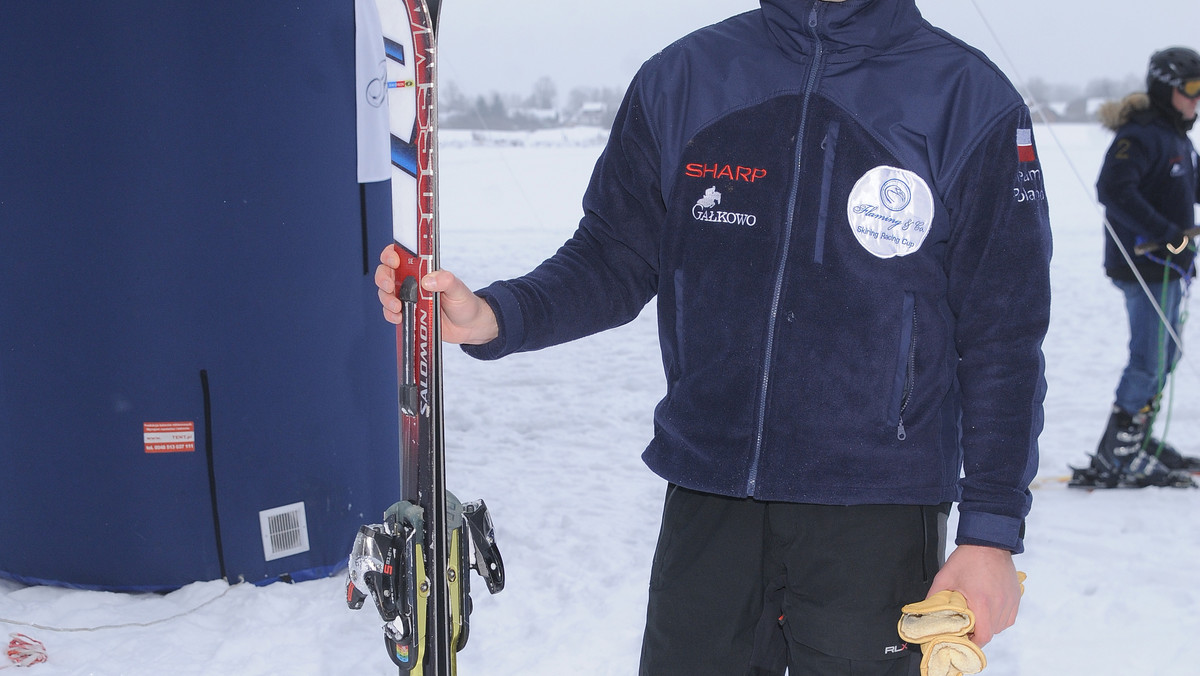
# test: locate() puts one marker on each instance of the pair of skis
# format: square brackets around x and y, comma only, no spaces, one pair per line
[415,564]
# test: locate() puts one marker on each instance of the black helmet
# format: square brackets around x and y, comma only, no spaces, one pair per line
[1175,68]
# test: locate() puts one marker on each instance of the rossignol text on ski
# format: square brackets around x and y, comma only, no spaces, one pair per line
[414,564]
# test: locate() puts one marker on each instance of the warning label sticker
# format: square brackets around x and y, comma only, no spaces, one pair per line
[169,437]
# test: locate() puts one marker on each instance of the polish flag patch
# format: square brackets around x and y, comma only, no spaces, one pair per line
[1025,151]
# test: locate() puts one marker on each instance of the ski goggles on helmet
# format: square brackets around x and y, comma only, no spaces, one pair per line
[1190,88]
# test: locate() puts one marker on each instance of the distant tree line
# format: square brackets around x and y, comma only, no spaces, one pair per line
[597,106]
[539,109]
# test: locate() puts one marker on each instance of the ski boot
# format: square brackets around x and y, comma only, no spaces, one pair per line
[1121,460]
[1171,457]
[1165,452]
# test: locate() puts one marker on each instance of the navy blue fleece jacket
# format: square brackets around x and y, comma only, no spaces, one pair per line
[841,213]
[1148,186]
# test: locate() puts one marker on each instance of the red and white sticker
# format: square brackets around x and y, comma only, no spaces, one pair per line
[169,437]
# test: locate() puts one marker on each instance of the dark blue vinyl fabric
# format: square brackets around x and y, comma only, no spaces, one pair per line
[179,216]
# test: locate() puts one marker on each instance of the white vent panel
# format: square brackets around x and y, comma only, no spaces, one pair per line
[284,531]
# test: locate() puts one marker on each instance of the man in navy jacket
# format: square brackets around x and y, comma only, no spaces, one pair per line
[841,213]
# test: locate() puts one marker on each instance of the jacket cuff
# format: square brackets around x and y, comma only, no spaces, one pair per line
[509,321]
[991,530]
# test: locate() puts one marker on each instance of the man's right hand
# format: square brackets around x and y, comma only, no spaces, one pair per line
[466,318]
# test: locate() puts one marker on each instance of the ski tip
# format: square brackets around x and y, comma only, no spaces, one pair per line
[435,10]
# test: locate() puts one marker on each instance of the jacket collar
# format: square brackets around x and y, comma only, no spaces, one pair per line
[847,31]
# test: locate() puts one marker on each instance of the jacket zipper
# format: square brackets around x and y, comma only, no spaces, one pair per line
[809,87]
[910,370]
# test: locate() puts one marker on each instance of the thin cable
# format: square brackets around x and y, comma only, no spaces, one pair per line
[118,626]
[1162,317]
[1112,233]
[536,213]
[1167,378]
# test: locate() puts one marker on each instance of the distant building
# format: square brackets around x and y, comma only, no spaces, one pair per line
[543,117]
[592,113]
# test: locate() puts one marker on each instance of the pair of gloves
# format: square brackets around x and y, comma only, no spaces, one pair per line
[940,624]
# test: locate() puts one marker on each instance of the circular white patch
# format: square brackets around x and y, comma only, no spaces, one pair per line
[890,211]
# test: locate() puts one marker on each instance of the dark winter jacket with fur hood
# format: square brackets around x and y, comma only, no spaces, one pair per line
[841,213]
[1148,185]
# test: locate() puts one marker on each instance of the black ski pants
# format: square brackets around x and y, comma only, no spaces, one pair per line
[741,587]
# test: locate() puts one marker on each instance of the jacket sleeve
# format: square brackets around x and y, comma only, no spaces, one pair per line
[999,292]
[1127,162]
[605,274]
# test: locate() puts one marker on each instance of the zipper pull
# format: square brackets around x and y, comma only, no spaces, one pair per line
[900,433]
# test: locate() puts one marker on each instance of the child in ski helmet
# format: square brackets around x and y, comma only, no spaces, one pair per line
[1149,186]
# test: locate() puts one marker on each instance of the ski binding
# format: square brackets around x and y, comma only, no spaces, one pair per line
[387,563]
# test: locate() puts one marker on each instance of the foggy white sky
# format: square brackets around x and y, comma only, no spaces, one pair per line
[505,46]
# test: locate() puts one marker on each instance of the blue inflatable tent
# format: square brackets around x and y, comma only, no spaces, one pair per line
[195,381]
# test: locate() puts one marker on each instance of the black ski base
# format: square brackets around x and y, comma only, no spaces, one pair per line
[1091,478]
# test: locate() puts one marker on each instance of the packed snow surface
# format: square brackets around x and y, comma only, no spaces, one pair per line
[552,441]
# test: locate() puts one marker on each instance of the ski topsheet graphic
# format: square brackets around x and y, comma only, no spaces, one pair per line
[415,564]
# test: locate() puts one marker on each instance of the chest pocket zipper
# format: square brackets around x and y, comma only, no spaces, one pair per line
[829,149]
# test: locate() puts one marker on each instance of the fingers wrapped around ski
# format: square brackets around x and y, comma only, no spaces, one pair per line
[951,656]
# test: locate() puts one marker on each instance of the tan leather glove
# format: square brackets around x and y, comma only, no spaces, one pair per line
[941,624]
[943,614]
[951,656]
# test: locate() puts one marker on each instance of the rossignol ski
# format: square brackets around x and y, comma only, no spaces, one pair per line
[414,565]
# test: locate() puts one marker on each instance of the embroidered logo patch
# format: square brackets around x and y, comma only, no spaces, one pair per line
[890,211]
[705,210]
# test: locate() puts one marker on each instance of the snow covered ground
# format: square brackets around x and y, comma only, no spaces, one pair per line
[552,442]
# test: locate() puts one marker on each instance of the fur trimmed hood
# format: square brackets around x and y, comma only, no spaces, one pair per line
[1115,114]
[1142,107]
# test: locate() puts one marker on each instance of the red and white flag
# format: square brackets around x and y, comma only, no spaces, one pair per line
[1025,151]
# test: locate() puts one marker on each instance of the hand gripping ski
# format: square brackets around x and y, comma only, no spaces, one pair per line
[414,564]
